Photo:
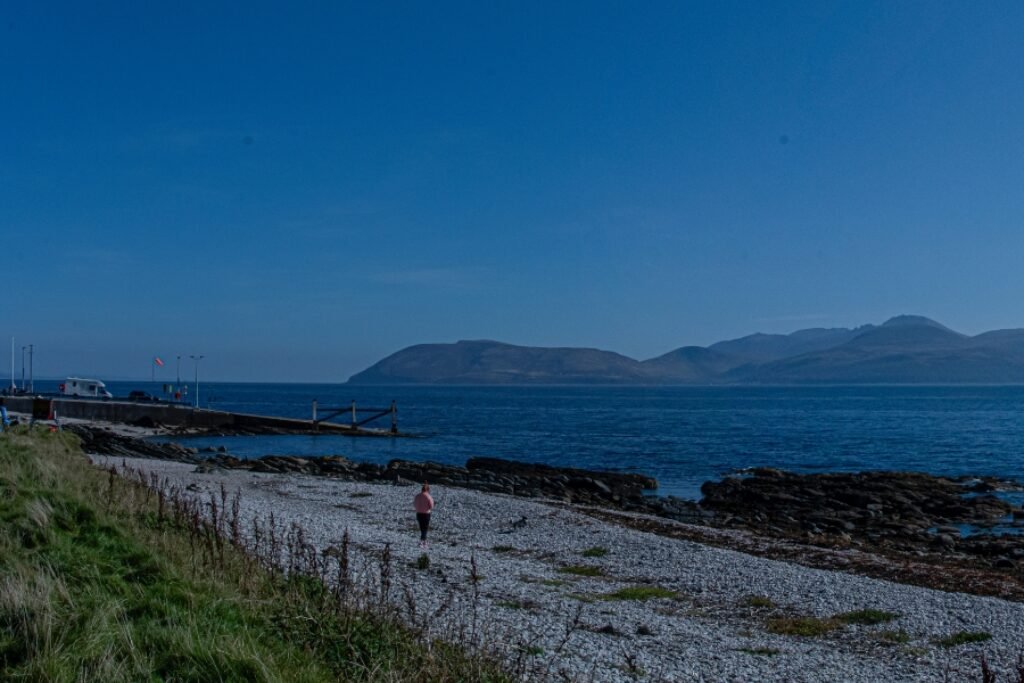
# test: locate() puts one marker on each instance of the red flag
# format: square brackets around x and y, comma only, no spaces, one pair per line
[159,362]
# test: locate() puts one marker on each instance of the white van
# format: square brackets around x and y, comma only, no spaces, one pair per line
[91,388]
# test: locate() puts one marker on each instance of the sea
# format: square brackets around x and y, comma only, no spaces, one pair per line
[683,436]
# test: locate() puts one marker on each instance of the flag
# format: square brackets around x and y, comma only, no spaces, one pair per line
[159,363]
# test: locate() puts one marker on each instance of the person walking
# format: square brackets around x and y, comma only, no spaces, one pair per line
[424,505]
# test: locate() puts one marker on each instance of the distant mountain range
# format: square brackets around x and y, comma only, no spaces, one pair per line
[907,349]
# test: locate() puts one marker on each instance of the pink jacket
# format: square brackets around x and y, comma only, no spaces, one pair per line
[423,502]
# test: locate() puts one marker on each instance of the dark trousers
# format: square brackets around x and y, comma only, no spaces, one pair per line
[424,519]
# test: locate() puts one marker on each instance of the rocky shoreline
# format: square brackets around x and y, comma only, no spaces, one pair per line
[597,581]
[893,512]
[604,601]
[490,475]
[898,516]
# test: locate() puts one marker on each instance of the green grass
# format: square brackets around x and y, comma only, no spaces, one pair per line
[518,604]
[98,583]
[596,551]
[802,626]
[895,637]
[866,617]
[553,583]
[639,593]
[963,638]
[759,602]
[815,626]
[581,570]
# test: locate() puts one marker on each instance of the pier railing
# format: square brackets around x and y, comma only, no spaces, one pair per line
[324,414]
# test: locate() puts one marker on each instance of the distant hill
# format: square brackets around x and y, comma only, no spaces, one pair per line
[491,362]
[906,349]
[690,365]
[697,364]
[764,348]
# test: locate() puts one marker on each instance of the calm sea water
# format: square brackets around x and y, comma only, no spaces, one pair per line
[681,435]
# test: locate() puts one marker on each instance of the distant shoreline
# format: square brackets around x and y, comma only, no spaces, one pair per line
[806,385]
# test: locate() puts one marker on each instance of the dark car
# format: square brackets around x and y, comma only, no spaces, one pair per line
[141,396]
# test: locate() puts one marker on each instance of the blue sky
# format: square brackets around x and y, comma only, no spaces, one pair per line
[298,191]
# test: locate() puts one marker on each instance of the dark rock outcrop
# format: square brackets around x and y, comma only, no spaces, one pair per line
[103,441]
[903,511]
[492,475]
[570,485]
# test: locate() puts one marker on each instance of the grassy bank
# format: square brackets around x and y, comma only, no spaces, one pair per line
[106,579]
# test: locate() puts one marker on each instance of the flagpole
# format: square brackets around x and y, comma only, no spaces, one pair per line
[196,359]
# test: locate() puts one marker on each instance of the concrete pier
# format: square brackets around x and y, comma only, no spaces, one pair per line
[177,415]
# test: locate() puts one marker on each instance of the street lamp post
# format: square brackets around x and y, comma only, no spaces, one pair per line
[31,354]
[179,371]
[23,367]
[196,359]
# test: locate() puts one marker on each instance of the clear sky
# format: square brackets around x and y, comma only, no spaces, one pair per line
[298,190]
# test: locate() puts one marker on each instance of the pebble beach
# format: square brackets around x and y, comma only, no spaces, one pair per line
[589,600]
